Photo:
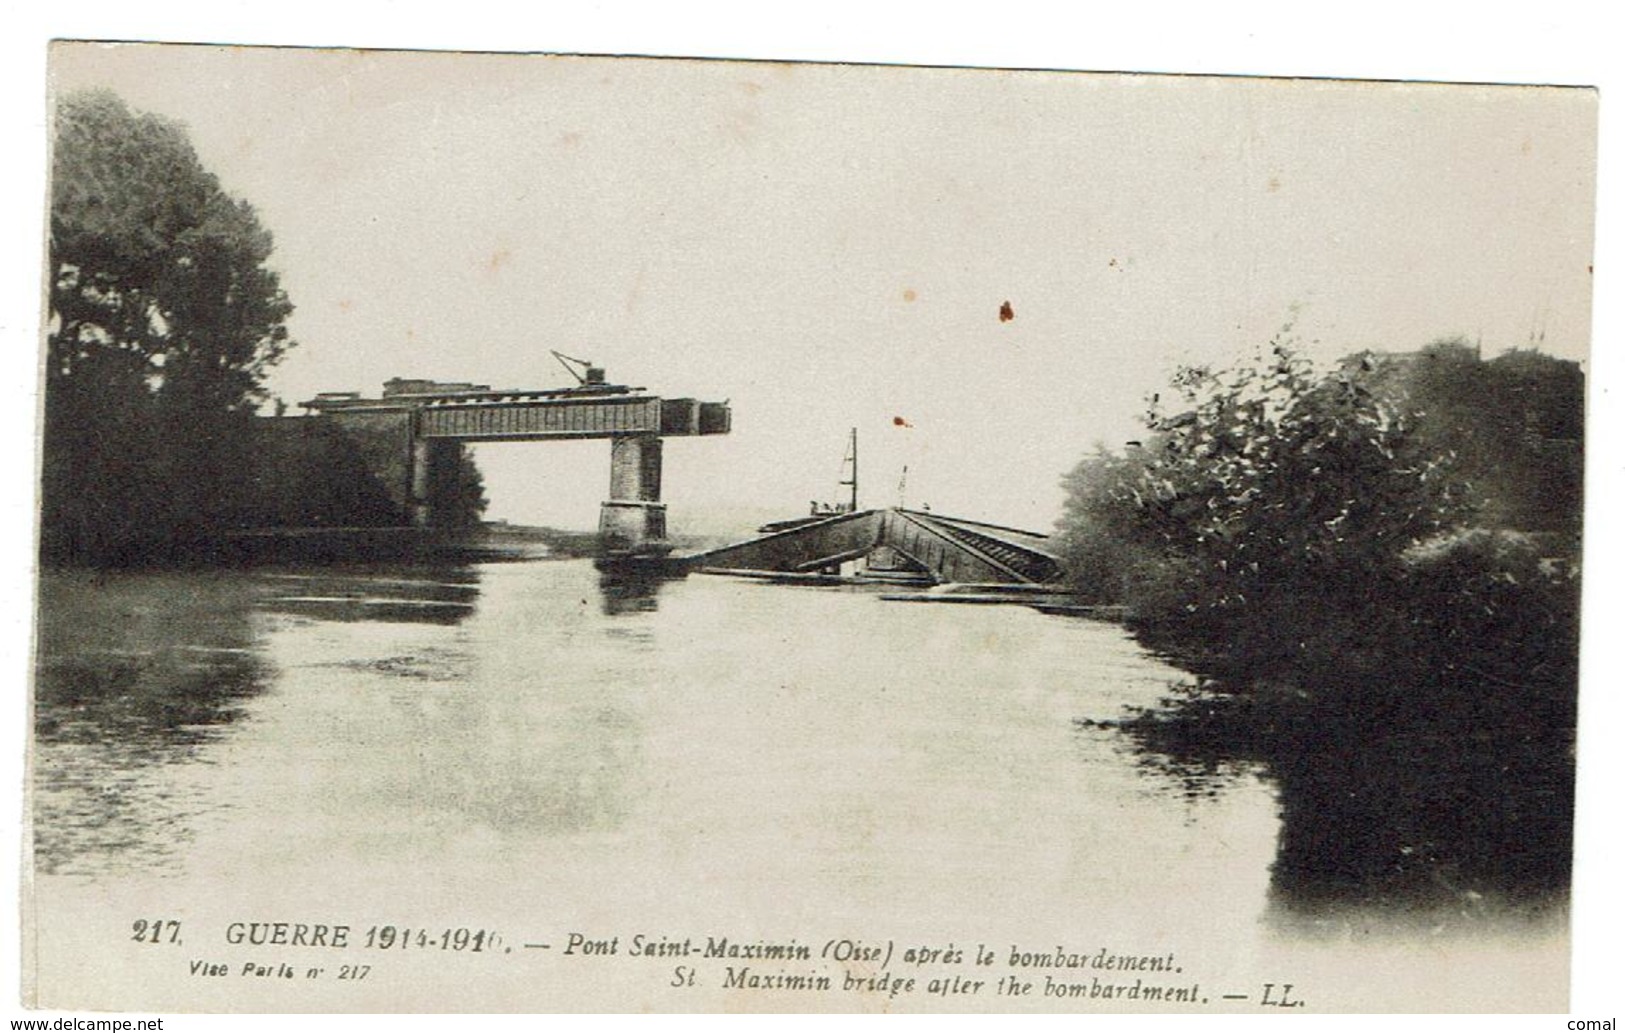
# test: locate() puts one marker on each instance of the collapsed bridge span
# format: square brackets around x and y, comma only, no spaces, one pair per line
[896,541]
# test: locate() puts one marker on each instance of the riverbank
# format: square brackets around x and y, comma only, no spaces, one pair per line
[260,546]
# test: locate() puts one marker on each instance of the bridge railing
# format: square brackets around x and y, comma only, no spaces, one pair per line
[946,557]
[597,417]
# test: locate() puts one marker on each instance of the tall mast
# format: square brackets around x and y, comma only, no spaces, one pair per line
[852,460]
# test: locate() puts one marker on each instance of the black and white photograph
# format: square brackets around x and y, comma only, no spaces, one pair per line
[541,532]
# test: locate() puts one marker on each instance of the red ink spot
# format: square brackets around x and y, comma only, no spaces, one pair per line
[1006,313]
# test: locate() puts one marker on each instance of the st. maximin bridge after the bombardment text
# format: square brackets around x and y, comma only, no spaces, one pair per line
[427,423]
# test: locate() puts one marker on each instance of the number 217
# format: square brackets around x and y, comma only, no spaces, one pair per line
[159,930]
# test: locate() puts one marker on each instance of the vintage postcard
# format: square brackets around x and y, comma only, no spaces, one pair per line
[539,533]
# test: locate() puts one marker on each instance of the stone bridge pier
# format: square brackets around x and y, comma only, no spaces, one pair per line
[633,519]
[434,469]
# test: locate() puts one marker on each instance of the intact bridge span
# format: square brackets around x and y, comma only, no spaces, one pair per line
[424,425]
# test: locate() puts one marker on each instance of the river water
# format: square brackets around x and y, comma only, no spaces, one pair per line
[527,748]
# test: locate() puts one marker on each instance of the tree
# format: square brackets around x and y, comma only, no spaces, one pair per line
[1331,525]
[164,321]
[1267,505]
[468,499]
[1515,425]
[1337,555]
[1104,551]
[1272,476]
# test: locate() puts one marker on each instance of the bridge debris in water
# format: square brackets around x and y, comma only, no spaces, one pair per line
[968,561]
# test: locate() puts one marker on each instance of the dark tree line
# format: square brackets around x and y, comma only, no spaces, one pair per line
[165,319]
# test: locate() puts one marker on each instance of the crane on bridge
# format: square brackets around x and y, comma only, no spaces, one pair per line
[434,420]
[586,374]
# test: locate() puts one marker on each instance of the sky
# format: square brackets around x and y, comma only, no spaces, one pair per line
[830,246]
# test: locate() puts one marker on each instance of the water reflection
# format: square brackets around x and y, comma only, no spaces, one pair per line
[134,672]
[406,595]
[1454,830]
[142,677]
[628,591]
[1390,812]
[536,716]
[678,741]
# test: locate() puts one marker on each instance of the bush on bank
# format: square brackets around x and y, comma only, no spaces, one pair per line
[1389,523]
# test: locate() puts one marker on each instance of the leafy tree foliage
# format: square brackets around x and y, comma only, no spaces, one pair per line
[1515,425]
[164,320]
[468,499]
[1108,555]
[1314,525]
[155,268]
[1265,478]
[1371,570]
